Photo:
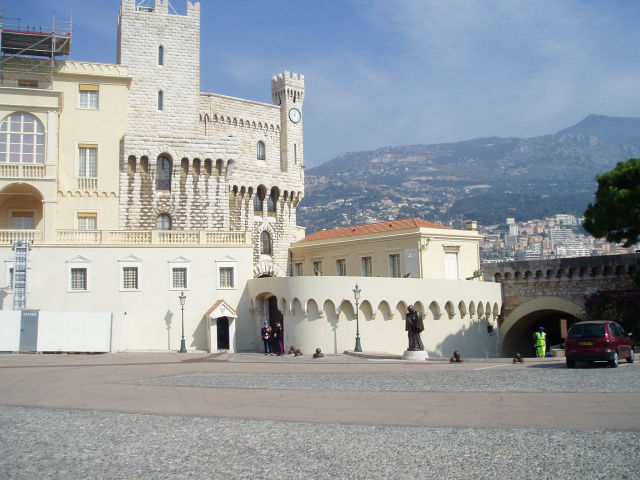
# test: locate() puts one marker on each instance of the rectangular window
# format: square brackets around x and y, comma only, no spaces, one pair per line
[366,267]
[22,220]
[10,279]
[26,83]
[88,94]
[226,277]
[317,268]
[87,161]
[87,221]
[79,279]
[130,278]
[394,265]
[179,278]
[341,267]
[299,270]
[451,266]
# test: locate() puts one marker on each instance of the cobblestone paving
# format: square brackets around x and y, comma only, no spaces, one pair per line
[508,378]
[51,444]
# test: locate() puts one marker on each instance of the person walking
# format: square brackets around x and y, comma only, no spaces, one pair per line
[540,342]
[265,331]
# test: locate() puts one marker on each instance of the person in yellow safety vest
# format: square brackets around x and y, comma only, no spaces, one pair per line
[540,342]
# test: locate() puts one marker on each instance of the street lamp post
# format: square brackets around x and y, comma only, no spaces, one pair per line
[183,298]
[356,294]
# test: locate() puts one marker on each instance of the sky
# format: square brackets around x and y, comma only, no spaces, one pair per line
[400,72]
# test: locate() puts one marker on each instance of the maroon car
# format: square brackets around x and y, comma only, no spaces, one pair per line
[599,340]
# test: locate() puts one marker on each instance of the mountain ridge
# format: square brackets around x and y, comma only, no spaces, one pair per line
[439,182]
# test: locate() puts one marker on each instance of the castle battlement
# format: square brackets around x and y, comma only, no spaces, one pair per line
[287,85]
[287,75]
[160,7]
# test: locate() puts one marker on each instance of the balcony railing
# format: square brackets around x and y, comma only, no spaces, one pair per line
[19,170]
[151,237]
[87,183]
[8,237]
[127,237]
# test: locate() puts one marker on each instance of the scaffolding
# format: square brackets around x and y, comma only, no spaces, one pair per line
[29,52]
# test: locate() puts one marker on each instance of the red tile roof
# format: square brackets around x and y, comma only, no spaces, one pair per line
[390,226]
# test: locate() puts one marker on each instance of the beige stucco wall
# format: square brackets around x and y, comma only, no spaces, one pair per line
[104,127]
[55,195]
[320,312]
[149,311]
[428,244]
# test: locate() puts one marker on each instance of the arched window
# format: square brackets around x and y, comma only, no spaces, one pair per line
[265,243]
[273,198]
[160,55]
[163,173]
[21,139]
[258,199]
[163,222]
[160,100]
[261,154]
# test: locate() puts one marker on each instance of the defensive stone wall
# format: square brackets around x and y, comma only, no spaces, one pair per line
[568,278]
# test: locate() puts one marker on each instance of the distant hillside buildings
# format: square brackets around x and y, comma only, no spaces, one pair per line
[559,236]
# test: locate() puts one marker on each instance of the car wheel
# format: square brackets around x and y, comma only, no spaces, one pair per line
[614,360]
[571,363]
[630,359]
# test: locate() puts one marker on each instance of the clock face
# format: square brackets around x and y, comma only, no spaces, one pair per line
[294,115]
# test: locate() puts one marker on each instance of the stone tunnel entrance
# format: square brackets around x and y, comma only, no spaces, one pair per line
[519,338]
[552,313]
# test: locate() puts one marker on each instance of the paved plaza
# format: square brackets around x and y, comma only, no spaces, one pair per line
[166,415]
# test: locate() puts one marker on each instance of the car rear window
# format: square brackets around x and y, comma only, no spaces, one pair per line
[589,330]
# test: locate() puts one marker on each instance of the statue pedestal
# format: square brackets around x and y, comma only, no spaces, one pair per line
[416,355]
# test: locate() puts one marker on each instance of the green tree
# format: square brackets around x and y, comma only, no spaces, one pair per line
[615,214]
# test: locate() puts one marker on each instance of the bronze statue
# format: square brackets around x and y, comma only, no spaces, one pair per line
[414,326]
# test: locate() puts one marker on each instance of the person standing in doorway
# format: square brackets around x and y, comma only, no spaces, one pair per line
[278,335]
[540,342]
[266,338]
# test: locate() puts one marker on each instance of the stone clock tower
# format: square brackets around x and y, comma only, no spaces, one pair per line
[287,90]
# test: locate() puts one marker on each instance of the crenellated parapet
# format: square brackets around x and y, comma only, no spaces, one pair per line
[288,87]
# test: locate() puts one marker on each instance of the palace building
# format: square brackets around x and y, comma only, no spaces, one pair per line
[151,208]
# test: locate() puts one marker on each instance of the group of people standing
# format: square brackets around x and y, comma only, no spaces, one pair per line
[272,337]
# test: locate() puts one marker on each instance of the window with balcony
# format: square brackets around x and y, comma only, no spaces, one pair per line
[366,267]
[299,270]
[88,96]
[87,165]
[21,139]
[163,222]
[22,220]
[87,221]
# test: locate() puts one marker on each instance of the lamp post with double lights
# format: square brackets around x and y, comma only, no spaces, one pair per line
[183,298]
[356,295]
